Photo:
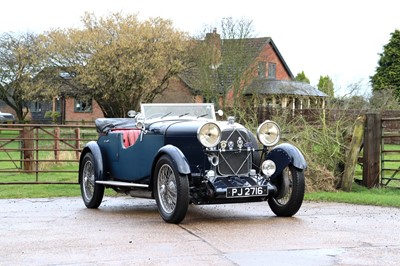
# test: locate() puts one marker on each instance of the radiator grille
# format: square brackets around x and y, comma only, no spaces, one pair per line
[233,159]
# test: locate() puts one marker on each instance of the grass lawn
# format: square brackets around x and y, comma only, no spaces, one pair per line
[38,191]
[360,195]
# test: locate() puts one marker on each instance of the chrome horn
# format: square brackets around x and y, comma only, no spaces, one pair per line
[214,160]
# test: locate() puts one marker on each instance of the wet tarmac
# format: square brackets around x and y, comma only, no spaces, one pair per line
[128,231]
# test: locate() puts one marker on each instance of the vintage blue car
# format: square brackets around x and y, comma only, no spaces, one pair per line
[179,154]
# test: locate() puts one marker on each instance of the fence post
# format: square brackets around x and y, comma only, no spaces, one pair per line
[77,142]
[372,141]
[352,156]
[57,143]
[28,148]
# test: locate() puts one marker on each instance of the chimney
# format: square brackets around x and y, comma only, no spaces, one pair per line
[213,41]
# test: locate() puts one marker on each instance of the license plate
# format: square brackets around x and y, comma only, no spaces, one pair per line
[240,192]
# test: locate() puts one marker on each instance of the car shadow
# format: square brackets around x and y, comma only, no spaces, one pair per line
[234,213]
[147,209]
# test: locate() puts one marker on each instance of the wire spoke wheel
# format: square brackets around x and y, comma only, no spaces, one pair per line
[92,193]
[171,191]
[167,188]
[88,180]
[287,190]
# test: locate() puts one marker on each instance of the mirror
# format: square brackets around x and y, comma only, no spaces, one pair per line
[131,113]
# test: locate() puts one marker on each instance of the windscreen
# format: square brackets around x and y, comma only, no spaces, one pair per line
[160,111]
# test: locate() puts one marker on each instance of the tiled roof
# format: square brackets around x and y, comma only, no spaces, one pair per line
[253,47]
[282,87]
[224,76]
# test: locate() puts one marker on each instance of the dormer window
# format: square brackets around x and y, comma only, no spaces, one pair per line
[271,70]
[262,69]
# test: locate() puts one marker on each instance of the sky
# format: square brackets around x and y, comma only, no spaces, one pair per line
[338,38]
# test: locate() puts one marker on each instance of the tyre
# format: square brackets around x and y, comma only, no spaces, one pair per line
[171,191]
[290,194]
[92,193]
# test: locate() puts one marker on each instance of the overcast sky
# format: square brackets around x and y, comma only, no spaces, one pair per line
[339,38]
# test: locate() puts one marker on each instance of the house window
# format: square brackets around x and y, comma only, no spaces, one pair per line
[271,70]
[35,107]
[262,69]
[58,104]
[83,106]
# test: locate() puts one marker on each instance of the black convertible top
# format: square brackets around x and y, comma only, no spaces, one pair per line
[103,125]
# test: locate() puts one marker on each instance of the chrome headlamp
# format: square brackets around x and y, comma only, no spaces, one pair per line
[268,133]
[209,135]
[268,168]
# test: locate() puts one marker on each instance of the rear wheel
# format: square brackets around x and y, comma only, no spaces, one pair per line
[290,194]
[92,193]
[171,191]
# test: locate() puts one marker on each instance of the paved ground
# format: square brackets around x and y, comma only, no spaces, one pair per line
[127,231]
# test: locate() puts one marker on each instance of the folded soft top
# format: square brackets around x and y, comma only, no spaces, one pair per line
[103,125]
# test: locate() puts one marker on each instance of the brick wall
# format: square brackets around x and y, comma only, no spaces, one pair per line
[268,55]
[177,92]
[71,115]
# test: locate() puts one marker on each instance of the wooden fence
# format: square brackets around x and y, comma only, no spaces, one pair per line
[28,150]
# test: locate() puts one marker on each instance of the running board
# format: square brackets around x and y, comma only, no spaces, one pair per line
[121,184]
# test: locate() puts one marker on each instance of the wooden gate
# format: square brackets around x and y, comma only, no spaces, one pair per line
[381,157]
[42,154]
[390,152]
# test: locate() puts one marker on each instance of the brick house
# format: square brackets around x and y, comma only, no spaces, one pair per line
[70,110]
[264,73]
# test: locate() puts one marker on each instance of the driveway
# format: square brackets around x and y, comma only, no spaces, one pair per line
[127,231]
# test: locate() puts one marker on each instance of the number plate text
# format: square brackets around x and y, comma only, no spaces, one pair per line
[239,192]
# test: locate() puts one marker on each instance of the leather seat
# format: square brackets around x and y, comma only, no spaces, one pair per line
[129,136]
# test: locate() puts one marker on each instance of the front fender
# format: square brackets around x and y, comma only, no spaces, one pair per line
[177,156]
[94,148]
[285,154]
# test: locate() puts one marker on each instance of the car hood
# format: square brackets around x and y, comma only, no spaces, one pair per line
[186,127]
[176,128]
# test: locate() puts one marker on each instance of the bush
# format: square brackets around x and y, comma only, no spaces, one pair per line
[323,141]
[53,115]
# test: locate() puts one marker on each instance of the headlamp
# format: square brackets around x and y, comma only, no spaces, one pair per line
[268,133]
[209,134]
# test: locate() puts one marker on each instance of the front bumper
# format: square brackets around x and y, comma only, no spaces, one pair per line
[222,187]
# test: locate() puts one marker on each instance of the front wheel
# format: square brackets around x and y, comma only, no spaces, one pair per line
[171,190]
[289,197]
[92,193]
